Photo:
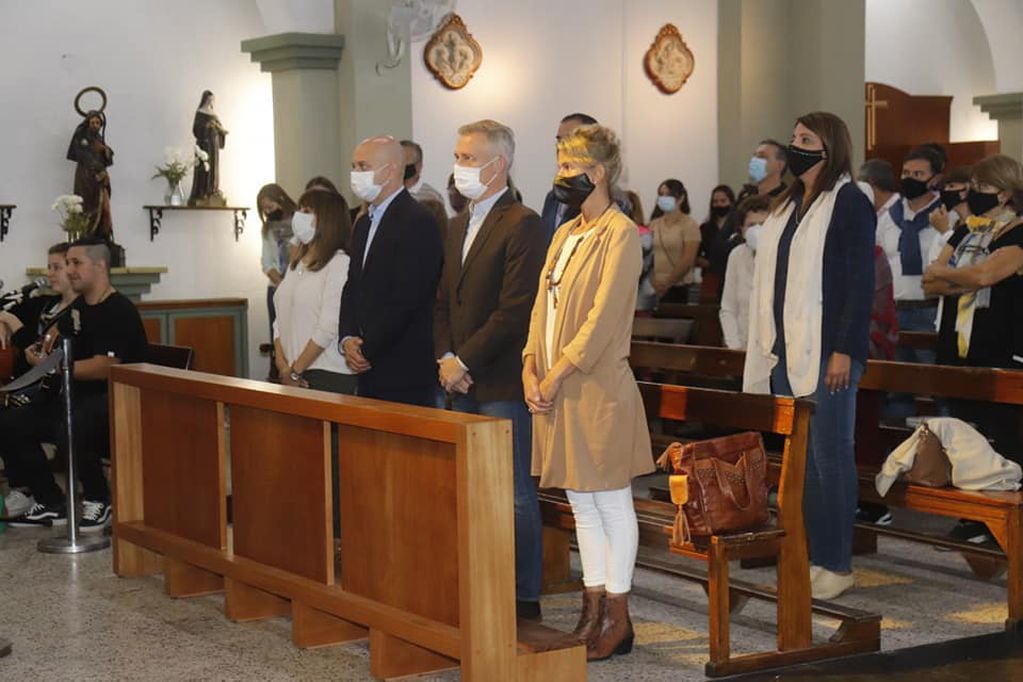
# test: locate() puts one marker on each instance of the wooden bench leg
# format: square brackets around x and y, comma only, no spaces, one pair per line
[717,592]
[864,542]
[185,580]
[133,561]
[392,657]
[313,628]
[1009,534]
[557,566]
[243,603]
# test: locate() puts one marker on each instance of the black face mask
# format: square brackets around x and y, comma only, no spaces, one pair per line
[275,215]
[951,198]
[410,171]
[913,188]
[720,211]
[802,160]
[981,202]
[573,191]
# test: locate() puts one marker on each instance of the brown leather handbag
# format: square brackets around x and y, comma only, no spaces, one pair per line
[931,466]
[719,485]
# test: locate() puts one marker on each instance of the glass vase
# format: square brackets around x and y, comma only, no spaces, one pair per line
[174,195]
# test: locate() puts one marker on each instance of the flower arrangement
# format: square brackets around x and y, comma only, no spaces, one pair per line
[177,163]
[73,219]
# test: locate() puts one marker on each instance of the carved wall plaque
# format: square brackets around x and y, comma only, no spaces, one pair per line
[452,55]
[669,61]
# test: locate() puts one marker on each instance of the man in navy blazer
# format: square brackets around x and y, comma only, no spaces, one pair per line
[555,214]
[386,324]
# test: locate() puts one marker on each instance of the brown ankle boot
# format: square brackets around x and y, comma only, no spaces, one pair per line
[615,634]
[593,611]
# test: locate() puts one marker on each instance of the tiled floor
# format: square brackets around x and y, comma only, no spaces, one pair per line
[71,618]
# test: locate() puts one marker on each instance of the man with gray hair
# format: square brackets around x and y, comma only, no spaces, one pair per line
[493,255]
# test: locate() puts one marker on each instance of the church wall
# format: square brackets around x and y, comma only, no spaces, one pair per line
[153,60]
[935,47]
[542,60]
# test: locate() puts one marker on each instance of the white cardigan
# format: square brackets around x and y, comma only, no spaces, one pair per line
[804,299]
[308,306]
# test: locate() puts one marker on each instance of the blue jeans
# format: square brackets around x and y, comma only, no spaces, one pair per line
[830,491]
[528,538]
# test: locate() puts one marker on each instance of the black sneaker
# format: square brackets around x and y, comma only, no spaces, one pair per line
[95,516]
[973,532]
[528,610]
[41,515]
[877,514]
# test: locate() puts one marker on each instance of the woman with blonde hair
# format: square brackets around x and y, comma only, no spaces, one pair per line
[809,323]
[275,209]
[590,435]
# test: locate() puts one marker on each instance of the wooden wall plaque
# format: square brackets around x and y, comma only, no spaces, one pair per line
[452,55]
[669,62]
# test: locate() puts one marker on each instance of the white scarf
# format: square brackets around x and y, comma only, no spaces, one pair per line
[804,298]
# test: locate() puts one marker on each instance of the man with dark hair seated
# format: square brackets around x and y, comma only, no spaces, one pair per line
[111,332]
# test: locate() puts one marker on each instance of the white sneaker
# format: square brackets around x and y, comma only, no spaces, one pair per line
[828,584]
[17,503]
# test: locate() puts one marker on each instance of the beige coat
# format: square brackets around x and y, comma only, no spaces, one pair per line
[596,436]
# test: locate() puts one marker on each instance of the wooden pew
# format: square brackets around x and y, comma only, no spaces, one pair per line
[426,512]
[1002,512]
[860,632]
[707,327]
[666,330]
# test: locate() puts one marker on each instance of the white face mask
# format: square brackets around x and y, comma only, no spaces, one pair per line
[667,203]
[304,226]
[363,184]
[752,236]
[467,180]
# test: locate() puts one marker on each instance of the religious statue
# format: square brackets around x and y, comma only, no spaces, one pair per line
[89,150]
[209,137]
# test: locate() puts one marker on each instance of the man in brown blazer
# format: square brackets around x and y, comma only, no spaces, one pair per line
[492,259]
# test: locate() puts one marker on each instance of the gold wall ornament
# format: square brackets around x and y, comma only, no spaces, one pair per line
[452,55]
[669,62]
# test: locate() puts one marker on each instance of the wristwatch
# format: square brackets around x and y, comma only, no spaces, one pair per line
[295,376]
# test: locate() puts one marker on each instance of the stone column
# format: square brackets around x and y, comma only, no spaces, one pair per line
[1007,109]
[778,59]
[306,98]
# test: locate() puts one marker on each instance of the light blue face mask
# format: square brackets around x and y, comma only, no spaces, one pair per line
[757,169]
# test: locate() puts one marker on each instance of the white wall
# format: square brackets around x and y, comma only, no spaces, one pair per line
[935,47]
[534,71]
[1003,23]
[153,59]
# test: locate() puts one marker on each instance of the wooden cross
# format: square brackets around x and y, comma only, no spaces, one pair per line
[873,104]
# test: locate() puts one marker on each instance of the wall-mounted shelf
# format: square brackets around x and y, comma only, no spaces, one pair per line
[5,219]
[156,216]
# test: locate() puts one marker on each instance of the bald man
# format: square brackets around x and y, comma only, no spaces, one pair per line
[386,324]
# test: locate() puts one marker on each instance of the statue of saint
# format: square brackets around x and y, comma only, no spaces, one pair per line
[209,137]
[92,156]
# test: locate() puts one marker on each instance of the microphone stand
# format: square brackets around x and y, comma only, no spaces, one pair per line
[73,542]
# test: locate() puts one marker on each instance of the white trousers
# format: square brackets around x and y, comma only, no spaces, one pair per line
[608,536]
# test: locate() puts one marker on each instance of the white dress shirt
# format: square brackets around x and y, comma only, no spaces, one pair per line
[376,214]
[734,313]
[478,212]
[908,287]
[308,305]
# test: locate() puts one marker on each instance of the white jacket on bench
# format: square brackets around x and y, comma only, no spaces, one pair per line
[975,464]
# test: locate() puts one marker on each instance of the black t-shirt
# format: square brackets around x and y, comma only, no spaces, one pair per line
[34,314]
[110,327]
[997,337]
